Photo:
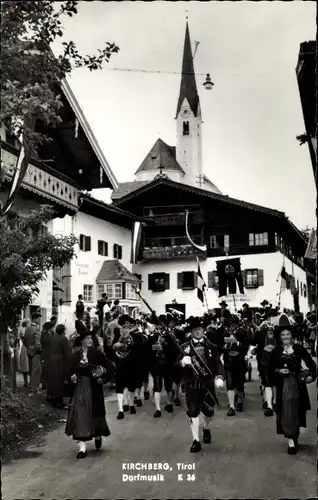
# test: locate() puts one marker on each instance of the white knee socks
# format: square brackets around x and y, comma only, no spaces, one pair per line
[291,443]
[194,426]
[169,397]
[176,390]
[126,397]
[157,400]
[146,386]
[138,393]
[82,446]
[269,396]
[230,395]
[131,398]
[206,422]
[120,400]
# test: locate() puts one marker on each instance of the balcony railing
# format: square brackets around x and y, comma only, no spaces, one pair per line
[177,247]
[41,182]
[177,219]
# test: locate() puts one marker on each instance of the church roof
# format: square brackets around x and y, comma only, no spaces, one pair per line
[160,155]
[188,87]
[210,183]
[113,270]
[125,188]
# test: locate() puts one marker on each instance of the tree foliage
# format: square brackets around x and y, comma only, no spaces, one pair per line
[30,70]
[27,253]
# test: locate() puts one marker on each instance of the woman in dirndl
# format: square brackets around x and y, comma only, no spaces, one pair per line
[89,369]
[285,370]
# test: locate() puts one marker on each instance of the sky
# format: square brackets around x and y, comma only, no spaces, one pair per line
[251,116]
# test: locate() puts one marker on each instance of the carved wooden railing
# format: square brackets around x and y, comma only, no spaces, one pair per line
[41,182]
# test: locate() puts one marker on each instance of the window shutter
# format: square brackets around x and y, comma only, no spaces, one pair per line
[120,252]
[179,280]
[167,281]
[106,249]
[211,279]
[194,278]
[123,292]
[100,247]
[260,277]
[81,242]
[115,254]
[87,243]
[150,282]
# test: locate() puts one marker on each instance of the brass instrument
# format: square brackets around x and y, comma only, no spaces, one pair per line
[124,349]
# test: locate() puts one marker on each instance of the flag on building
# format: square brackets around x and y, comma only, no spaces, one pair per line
[200,285]
[135,242]
[283,276]
[20,171]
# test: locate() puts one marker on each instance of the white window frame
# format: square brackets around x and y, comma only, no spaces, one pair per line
[258,239]
[130,292]
[251,277]
[213,241]
[88,292]
[112,290]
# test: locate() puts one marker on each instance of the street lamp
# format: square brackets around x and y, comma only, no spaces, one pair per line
[208,84]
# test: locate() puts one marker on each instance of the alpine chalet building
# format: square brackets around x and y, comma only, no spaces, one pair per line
[247,253]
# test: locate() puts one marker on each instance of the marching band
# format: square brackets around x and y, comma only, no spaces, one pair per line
[199,355]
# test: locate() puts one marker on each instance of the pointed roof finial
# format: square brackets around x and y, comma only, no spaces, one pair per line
[188,87]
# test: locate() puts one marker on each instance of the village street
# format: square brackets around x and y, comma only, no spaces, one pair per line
[245,460]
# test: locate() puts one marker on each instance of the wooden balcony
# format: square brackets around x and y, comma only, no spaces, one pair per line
[171,248]
[42,182]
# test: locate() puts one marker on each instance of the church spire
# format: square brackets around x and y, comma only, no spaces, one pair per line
[188,87]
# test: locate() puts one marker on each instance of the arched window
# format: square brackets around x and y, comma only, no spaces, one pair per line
[185,128]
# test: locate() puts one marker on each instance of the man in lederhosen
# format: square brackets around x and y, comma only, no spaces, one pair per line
[164,352]
[202,371]
[236,346]
[126,360]
[179,333]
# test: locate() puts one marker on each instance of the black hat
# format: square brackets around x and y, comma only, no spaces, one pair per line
[223,303]
[264,303]
[195,322]
[82,332]
[126,318]
[245,305]
[285,323]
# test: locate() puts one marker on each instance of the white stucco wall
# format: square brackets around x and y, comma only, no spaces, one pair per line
[189,147]
[271,264]
[86,265]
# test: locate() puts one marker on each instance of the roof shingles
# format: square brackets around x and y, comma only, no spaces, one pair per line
[113,270]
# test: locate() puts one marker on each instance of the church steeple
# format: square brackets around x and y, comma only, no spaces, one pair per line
[188,87]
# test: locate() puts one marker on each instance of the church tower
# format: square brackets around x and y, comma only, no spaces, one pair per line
[189,120]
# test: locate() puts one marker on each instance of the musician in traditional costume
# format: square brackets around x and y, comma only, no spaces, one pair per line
[164,351]
[264,341]
[202,372]
[225,314]
[179,333]
[285,368]
[126,364]
[88,369]
[235,349]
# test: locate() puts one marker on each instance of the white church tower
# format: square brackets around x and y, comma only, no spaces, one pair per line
[189,120]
